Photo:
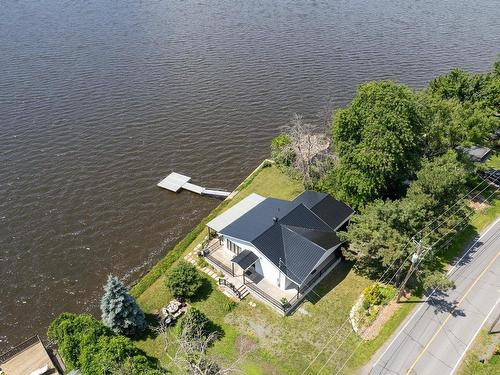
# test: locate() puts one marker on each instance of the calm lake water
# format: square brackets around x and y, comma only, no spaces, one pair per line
[99,100]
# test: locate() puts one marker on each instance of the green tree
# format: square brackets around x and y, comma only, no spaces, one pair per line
[74,332]
[119,309]
[194,323]
[282,152]
[377,238]
[87,344]
[183,280]
[381,233]
[378,140]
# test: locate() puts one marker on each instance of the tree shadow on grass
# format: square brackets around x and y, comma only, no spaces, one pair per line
[216,329]
[150,332]
[204,292]
[335,277]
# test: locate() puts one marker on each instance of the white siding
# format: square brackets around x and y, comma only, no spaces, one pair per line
[263,266]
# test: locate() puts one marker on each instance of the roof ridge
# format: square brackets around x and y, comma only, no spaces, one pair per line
[311,211]
[283,242]
[309,229]
[300,235]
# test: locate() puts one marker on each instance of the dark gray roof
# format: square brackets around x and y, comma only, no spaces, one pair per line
[294,235]
[330,210]
[256,221]
[245,259]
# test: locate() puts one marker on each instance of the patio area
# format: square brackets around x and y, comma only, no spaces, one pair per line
[220,258]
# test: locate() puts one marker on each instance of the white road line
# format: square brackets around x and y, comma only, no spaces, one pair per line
[474,337]
[424,303]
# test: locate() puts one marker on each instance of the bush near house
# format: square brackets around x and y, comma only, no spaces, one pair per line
[183,280]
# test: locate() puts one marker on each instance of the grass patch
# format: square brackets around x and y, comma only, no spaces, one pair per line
[483,349]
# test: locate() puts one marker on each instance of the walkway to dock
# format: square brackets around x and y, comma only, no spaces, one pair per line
[176,181]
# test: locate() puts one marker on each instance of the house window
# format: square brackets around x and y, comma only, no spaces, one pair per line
[233,247]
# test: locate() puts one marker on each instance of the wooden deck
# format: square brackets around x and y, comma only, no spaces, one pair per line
[26,358]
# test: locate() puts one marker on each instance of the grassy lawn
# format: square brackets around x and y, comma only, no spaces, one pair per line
[282,345]
[481,349]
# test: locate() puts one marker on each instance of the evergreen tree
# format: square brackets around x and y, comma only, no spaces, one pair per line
[119,309]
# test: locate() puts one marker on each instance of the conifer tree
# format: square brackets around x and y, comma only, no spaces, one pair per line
[119,309]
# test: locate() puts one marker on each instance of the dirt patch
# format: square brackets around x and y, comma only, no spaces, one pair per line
[269,369]
[383,316]
[478,203]
[245,344]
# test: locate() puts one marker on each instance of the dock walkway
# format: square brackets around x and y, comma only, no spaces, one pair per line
[176,181]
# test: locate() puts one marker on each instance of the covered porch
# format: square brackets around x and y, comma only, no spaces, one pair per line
[240,270]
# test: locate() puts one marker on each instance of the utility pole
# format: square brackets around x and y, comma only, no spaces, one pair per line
[413,267]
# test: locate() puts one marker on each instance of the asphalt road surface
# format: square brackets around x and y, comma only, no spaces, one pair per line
[435,338]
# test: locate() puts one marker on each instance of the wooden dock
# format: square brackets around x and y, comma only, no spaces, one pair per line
[176,181]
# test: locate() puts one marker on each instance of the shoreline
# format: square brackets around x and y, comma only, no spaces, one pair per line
[141,284]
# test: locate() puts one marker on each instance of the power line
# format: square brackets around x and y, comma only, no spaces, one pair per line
[423,256]
[400,267]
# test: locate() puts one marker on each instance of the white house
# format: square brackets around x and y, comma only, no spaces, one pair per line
[285,242]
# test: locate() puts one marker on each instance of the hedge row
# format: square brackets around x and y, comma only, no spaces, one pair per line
[173,255]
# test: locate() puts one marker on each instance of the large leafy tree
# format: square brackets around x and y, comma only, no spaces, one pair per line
[451,123]
[378,140]
[87,344]
[381,234]
[72,333]
[115,355]
[119,309]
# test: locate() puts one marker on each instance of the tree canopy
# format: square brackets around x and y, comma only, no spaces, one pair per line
[87,344]
[381,233]
[378,140]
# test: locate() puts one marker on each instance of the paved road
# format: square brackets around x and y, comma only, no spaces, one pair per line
[435,338]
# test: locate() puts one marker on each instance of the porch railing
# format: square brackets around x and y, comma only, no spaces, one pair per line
[207,254]
[232,287]
[277,304]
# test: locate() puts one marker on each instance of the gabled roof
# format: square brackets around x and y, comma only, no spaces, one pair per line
[235,212]
[294,235]
[256,221]
[330,210]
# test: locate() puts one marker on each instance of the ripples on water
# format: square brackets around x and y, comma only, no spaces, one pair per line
[99,100]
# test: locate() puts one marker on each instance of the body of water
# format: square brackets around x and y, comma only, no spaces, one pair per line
[101,99]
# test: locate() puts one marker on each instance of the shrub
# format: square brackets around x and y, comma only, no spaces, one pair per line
[228,306]
[115,355]
[194,323]
[183,281]
[281,150]
[377,294]
[120,311]
[201,262]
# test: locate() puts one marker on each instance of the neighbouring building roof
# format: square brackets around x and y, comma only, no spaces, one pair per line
[235,212]
[477,154]
[294,235]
